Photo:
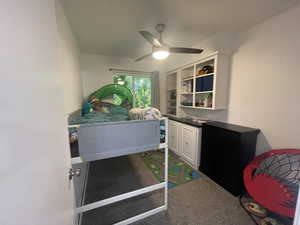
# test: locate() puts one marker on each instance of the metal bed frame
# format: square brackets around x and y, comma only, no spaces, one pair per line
[95,143]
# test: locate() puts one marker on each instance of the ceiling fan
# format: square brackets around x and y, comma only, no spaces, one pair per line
[161,50]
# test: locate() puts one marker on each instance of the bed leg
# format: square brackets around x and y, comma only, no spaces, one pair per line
[166,177]
[166,163]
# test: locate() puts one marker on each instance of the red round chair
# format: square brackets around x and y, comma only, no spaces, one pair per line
[272,179]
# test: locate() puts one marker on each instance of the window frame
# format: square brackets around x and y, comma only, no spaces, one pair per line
[135,75]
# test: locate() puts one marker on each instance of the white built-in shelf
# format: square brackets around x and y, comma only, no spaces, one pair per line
[187,79]
[204,75]
[197,76]
[202,107]
[186,106]
[191,87]
[197,107]
[171,85]
[216,82]
[203,92]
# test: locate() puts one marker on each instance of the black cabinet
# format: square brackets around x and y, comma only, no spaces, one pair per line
[226,150]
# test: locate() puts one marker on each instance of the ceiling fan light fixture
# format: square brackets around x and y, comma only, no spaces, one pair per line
[160,53]
[161,50]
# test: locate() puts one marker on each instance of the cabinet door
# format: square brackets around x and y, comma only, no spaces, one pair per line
[179,139]
[220,158]
[189,143]
[173,135]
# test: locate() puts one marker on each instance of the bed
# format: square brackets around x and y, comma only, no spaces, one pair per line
[104,138]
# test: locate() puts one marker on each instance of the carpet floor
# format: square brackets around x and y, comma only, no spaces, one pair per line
[199,202]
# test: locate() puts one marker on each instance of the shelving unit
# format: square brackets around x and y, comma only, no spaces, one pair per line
[204,84]
[186,106]
[186,86]
[204,75]
[187,79]
[171,93]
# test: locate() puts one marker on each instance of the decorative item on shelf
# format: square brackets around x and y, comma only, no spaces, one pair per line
[210,102]
[206,70]
[204,83]
[187,86]
[184,87]
[200,72]
[200,103]
[205,101]
[187,103]
[173,96]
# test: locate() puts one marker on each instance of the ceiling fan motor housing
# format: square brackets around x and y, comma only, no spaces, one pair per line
[160,27]
[162,48]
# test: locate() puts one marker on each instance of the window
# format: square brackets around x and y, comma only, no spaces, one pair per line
[139,86]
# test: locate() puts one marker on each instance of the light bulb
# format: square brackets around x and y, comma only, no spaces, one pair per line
[160,54]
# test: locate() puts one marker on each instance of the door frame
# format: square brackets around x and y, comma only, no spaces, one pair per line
[297,211]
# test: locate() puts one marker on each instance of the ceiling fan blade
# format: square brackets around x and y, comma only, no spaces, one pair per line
[151,38]
[186,50]
[143,57]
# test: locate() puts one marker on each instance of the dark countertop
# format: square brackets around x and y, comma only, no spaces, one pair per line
[185,120]
[232,127]
[227,126]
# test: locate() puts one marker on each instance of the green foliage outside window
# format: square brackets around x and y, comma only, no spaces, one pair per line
[139,86]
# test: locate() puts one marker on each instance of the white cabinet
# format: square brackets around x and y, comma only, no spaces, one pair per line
[185,141]
[173,136]
[189,147]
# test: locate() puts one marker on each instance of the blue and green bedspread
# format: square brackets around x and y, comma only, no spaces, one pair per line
[116,113]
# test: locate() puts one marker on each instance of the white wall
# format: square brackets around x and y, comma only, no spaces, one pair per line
[33,136]
[264,87]
[69,62]
[95,69]
[265,81]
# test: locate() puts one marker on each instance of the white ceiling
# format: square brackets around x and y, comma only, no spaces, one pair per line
[110,27]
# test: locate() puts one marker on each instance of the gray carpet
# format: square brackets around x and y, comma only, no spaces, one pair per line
[200,202]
